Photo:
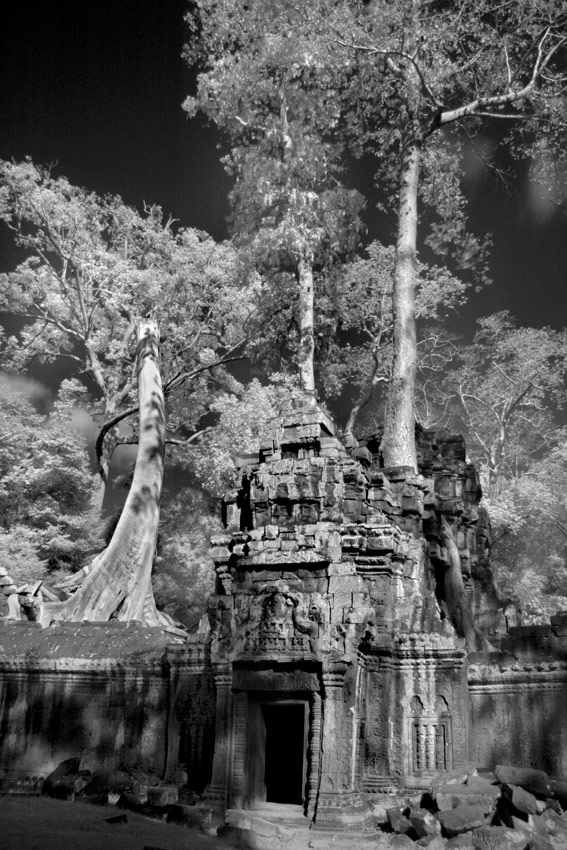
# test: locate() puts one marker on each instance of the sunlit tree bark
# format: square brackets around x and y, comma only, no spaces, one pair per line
[118,584]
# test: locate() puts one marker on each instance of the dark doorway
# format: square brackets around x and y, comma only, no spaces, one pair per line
[285,752]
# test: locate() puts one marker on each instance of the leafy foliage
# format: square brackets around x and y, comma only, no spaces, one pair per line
[290,212]
[530,539]
[46,490]
[183,575]
[506,385]
[354,324]
[243,417]
[92,267]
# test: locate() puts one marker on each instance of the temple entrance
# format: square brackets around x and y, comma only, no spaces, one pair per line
[277,752]
[285,752]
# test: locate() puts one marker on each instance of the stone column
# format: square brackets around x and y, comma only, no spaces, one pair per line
[216,793]
[339,804]
[315,728]
[239,729]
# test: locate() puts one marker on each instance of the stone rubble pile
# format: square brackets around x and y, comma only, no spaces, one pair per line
[512,808]
[134,790]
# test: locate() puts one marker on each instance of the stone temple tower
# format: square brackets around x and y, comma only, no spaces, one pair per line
[338,674]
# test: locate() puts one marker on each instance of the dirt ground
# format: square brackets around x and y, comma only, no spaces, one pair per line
[39,823]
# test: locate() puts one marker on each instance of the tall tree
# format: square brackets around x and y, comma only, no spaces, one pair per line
[355,327]
[117,584]
[92,268]
[290,212]
[411,82]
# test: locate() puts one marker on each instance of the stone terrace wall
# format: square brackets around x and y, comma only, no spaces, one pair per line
[116,694]
[518,699]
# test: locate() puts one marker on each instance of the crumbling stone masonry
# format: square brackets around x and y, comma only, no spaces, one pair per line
[115,694]
[338,673]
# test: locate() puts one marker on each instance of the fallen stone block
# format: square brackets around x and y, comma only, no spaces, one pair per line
[523,800]
[499,838]
[482,778]
[432,842]
[457,776]
[109,782]
[398,820]
[131,801]
[556,825]
[454,796]
[65,768]
[163,795]
[534,824]
[400,842]
[536,781]
[424,823]
[460,842]
[464,819]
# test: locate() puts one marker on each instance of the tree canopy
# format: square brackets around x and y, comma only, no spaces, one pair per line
[48,525]
[92,268]
[412,83]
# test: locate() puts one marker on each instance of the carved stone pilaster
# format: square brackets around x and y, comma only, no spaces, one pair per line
[339,805]
[239,729]
[216,793]
[315,729]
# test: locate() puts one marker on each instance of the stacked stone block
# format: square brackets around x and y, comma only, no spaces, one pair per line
[329,564]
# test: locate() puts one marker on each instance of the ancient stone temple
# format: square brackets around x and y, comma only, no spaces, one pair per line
[338,672]
[354,651]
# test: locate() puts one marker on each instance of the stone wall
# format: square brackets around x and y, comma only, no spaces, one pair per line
[518,699]
[115,694]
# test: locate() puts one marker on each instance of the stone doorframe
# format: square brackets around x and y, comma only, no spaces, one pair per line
[244,704]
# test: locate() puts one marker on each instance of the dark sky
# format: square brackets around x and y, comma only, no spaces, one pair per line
[96,88]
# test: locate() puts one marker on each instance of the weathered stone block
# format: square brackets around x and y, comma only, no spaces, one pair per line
[453,796]
[398,821]
[460,842]
[464,819]
[400,842]
[163,795]
[523,800]
[424,823]
[536,781]
[555,824]
[432,842]
[499,838]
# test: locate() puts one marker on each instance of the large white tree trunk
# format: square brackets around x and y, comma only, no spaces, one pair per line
[118,583]
[398,442]
[306,320]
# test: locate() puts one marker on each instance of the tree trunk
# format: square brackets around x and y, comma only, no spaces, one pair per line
[456,598]
[398,442]
[306,315]
[363,400]
[118,584]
